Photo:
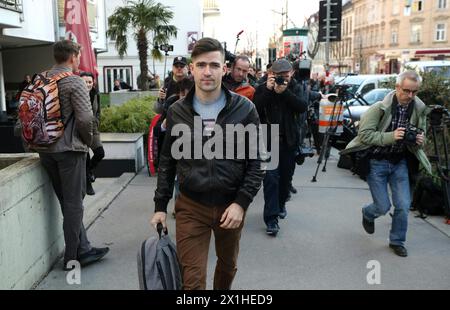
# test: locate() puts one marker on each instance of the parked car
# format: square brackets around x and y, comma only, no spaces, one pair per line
[438,66]
[362,84]
[357,108]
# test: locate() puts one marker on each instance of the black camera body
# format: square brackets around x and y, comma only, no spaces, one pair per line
[302,153]
[279,80]
[411,133]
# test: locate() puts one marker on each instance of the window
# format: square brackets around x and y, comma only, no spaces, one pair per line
[418,6]
[442,4]
[394,37]
[407,11]
[122,73]
[416,33]
[395,7]
[440,32]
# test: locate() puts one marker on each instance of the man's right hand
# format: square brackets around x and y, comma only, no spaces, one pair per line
[162,93]
[399,133]
[270,82]
[159,217]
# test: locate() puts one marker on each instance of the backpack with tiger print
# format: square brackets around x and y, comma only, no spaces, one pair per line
[40,111]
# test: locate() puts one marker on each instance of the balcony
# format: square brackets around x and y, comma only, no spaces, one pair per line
[11,13]
[210,7]
[12,5]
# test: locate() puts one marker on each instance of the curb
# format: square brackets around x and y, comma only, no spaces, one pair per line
[96,207]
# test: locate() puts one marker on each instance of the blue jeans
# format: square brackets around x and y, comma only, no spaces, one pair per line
[277,183]
[382,173]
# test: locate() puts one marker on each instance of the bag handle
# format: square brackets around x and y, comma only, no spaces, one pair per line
[161,229]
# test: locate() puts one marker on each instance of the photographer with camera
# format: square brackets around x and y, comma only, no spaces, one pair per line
[278,103]
[179,72]
[393,132]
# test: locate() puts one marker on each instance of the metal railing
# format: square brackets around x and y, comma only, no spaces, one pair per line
[13,5]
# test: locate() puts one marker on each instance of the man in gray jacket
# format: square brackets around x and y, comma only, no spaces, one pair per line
[65,160]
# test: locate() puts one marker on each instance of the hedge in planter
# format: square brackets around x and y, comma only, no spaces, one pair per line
[132,117]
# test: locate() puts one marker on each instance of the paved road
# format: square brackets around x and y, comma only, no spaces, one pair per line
[321,244]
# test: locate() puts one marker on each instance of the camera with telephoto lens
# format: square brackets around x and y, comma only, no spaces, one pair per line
[279,80]
[411,132]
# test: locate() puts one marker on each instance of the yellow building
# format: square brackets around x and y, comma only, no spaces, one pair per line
[415,30]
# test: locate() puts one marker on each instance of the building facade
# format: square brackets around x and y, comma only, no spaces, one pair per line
[415,30]
[28,29]
[188,18]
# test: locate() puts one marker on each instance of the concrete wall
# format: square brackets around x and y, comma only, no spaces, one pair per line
[31,236]
[124,152]
[120,97]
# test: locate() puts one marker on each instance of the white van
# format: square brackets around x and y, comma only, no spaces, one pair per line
[438,66]
[362,84]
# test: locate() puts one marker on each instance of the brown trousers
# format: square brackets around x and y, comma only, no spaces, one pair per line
[194,223]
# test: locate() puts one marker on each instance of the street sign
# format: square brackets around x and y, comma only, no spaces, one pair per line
[335,21]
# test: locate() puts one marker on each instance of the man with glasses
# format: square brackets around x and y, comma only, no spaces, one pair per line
[278,102]
[393,158]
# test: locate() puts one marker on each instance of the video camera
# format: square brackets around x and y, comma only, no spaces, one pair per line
[229,56]
[343,92]
[437,114]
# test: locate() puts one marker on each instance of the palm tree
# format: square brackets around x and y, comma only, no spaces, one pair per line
[144,18]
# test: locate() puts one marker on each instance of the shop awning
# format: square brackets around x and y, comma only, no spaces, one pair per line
[433,52]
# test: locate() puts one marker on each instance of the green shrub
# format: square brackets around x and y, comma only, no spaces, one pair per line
[104,101]
[132,117]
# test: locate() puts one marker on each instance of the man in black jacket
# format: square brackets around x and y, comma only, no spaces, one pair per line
[279,103]
[215,193]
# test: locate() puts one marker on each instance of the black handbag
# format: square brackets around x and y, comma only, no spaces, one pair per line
[361,163]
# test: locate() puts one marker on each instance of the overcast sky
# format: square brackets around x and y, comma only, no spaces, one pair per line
[250,15]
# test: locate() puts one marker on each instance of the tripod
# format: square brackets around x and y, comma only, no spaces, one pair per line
[439,125]
[331,130]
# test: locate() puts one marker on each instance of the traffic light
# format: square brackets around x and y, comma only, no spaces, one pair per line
[335,20]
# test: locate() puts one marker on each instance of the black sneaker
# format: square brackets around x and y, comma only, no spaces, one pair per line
[67,268]
[400,250]
[272,229]
[89,189]
[369,227]
[293,190]
[283,213]
[94,255]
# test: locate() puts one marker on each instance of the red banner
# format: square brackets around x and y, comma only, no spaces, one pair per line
[77,30]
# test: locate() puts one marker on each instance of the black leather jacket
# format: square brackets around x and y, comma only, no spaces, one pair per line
[216,182]
[282,109]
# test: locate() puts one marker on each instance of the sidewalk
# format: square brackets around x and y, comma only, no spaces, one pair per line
[321,244]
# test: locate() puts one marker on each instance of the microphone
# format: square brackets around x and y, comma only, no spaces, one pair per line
[241,32]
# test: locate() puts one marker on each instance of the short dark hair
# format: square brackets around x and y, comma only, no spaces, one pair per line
[186,84]
[207,45]
[84,73]
[63,50]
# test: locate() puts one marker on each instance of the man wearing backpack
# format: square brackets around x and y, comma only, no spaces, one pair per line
[214,192]
[65,159]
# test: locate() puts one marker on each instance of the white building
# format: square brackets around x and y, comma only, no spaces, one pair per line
[28,29]
[188,18]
